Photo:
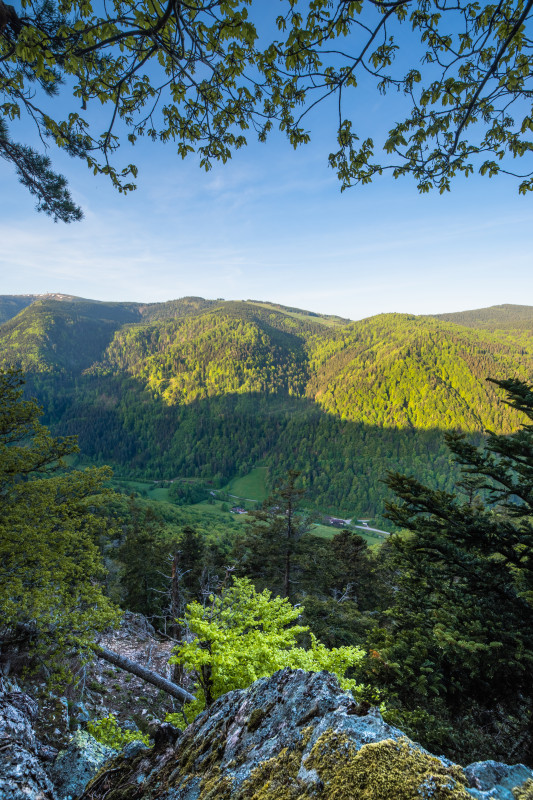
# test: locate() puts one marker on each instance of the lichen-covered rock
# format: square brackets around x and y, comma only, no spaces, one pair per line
[293,736]
[22,776]
[75,766]
[491,779]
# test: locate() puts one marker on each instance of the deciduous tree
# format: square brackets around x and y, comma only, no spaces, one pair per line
[242,635]
[50,564]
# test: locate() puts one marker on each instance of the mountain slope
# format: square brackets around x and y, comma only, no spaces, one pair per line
[403,371]
[212,388]
[235,348]
[10,305]
[58,336]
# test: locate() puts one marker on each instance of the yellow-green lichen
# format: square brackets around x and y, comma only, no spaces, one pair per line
[524,792]
[216,786]
[275,779]
[386,770]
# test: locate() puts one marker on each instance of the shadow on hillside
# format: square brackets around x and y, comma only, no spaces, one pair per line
[343,463]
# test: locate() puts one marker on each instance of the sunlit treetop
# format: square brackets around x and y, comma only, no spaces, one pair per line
[210,74]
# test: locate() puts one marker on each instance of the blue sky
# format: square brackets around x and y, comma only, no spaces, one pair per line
[272,225]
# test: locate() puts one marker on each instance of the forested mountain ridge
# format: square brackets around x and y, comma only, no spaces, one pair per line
[502,317]
[234,348]
[403,371]
[211,388]
[55,335]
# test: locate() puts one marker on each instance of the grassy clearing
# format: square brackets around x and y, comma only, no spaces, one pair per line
[251,486]
[216,509]
[328,532]
[148,489]
[157,493]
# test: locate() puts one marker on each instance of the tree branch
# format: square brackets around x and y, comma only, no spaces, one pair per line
[492,69]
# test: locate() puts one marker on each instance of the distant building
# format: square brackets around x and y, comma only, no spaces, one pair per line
[336,522]
[238,510]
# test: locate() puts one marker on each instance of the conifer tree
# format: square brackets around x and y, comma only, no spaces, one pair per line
[142,554]
[462,620]
[273,543]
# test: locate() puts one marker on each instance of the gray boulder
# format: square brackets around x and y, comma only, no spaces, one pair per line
[75,766]
[491,779]
[292,736]
[22,776]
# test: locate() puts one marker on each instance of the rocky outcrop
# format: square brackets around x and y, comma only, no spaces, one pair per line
[22,776]
[295,736]
[500,779]
[30,770]
[75,766]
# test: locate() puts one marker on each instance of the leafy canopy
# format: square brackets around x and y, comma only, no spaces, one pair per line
[243,635]
[50,564]
[203,73]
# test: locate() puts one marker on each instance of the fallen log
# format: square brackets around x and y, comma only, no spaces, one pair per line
[141,672]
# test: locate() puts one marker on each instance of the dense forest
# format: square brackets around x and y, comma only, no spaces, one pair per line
[436,623]
[210,389]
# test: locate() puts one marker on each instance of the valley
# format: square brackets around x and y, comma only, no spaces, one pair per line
[223,392]
[204,409]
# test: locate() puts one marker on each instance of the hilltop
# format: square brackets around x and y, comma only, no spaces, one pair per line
[506,316]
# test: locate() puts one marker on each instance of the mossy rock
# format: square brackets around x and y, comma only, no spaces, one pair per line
[293,736]
[524,792]
[386,770]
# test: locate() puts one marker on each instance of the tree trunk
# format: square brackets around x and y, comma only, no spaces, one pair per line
[287,574]
[145,674]
[288,553]
[175,610]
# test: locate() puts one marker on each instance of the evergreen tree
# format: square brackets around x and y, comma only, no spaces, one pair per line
[461,631]
[142,554]
[341,587]
[270,550]
[192,552]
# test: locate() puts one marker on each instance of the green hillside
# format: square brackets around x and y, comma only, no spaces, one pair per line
[62,336]
[298,313]
[401,371]
[502,317]
[236,348]
[212,389]
[183,307]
